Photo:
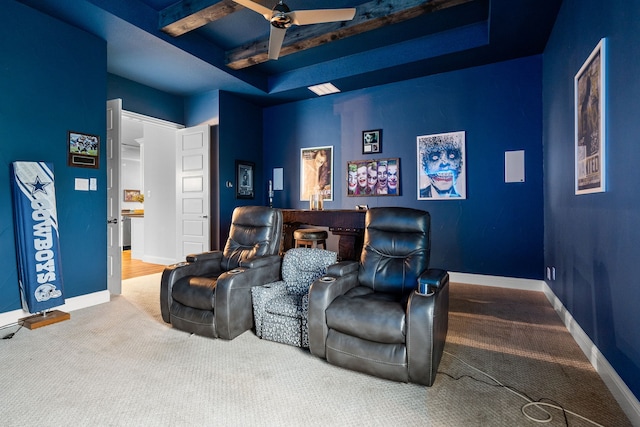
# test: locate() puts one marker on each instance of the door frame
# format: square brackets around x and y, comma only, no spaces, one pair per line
[114,281]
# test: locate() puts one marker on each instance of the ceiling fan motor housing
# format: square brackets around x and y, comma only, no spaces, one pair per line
[280,19]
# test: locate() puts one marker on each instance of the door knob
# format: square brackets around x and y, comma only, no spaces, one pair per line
[112,221]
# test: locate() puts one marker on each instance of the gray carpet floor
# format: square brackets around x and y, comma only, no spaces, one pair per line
[118,364]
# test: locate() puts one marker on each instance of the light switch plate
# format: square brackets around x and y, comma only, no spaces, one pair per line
[82,184]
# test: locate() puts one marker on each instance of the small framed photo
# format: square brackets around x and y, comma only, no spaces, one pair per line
[372,141]
[245,180]
[84,150]
[132,195]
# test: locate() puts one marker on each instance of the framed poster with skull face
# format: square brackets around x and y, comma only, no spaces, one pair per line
[441,163]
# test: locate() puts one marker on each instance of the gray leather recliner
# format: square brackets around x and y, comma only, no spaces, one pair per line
[386,315]
[210,293]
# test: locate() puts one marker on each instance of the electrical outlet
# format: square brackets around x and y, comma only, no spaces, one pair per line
[551,273]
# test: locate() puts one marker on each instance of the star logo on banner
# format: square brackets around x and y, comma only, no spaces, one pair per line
[38,186]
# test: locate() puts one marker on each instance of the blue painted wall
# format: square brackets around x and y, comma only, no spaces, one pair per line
[240,138]
[52,80]
[202,108]
[593,240]
[498,229]
[145,100]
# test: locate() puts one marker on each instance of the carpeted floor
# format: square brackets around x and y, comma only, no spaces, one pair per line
[118,364]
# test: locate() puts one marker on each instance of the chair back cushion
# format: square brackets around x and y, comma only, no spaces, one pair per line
[302,266]
[397,244]
[255,231]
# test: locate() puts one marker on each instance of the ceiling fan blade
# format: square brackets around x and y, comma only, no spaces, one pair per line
[275,41]
[319,16]
[256,7]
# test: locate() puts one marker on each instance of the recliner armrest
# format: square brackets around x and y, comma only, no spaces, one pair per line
[342,268]
[233,309]
[205,256]
[427,325]
[432,280]
[261,261]
[339,279]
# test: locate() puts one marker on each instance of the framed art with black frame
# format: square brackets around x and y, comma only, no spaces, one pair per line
[84,150]
[245,179]
[372,141]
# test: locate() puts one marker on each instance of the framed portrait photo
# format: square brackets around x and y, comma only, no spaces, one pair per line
[372,141]
[83,150]
[245,174]
[441,166]
[590,93]
[316,172]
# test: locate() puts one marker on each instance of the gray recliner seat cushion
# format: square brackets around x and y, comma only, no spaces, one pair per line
[359,313]
[196,292]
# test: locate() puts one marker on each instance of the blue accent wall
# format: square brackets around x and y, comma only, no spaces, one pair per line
[240,138]
[52,80]
[498,229]
[202,108]
[145,100]
[593,240]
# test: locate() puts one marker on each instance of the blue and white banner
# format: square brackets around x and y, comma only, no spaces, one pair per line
[37,239]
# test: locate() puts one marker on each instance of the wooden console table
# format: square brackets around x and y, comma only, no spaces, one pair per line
[346,223]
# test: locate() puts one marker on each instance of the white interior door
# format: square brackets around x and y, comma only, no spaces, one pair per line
[192,191]
[114,247]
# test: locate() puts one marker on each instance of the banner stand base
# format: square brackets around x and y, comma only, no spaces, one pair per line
[39,320]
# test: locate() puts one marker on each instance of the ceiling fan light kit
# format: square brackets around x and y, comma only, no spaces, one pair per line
[281,18]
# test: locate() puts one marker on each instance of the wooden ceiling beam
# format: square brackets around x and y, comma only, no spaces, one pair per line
[369,16]
[187,15]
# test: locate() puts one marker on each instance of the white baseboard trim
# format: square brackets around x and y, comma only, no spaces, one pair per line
[625,398]
[497,281]
[71,304]
[158,260]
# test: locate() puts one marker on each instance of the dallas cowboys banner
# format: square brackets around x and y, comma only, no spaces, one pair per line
[37,239]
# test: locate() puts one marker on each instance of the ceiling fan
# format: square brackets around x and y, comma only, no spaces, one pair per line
[281,18]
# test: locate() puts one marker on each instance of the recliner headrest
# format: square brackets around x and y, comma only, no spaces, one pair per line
[396,249]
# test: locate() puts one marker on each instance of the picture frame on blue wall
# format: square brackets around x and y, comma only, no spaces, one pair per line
[316,172]
[441,166]
[245,179]
[372,141]
[83,150]
[379,177]
[590,121]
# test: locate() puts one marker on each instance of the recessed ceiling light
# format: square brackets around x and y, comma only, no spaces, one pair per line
[324,89]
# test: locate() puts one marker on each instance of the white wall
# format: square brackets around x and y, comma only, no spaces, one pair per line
[158,157]
[130,175]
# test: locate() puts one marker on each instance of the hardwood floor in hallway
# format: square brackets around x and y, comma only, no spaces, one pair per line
[136,268]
